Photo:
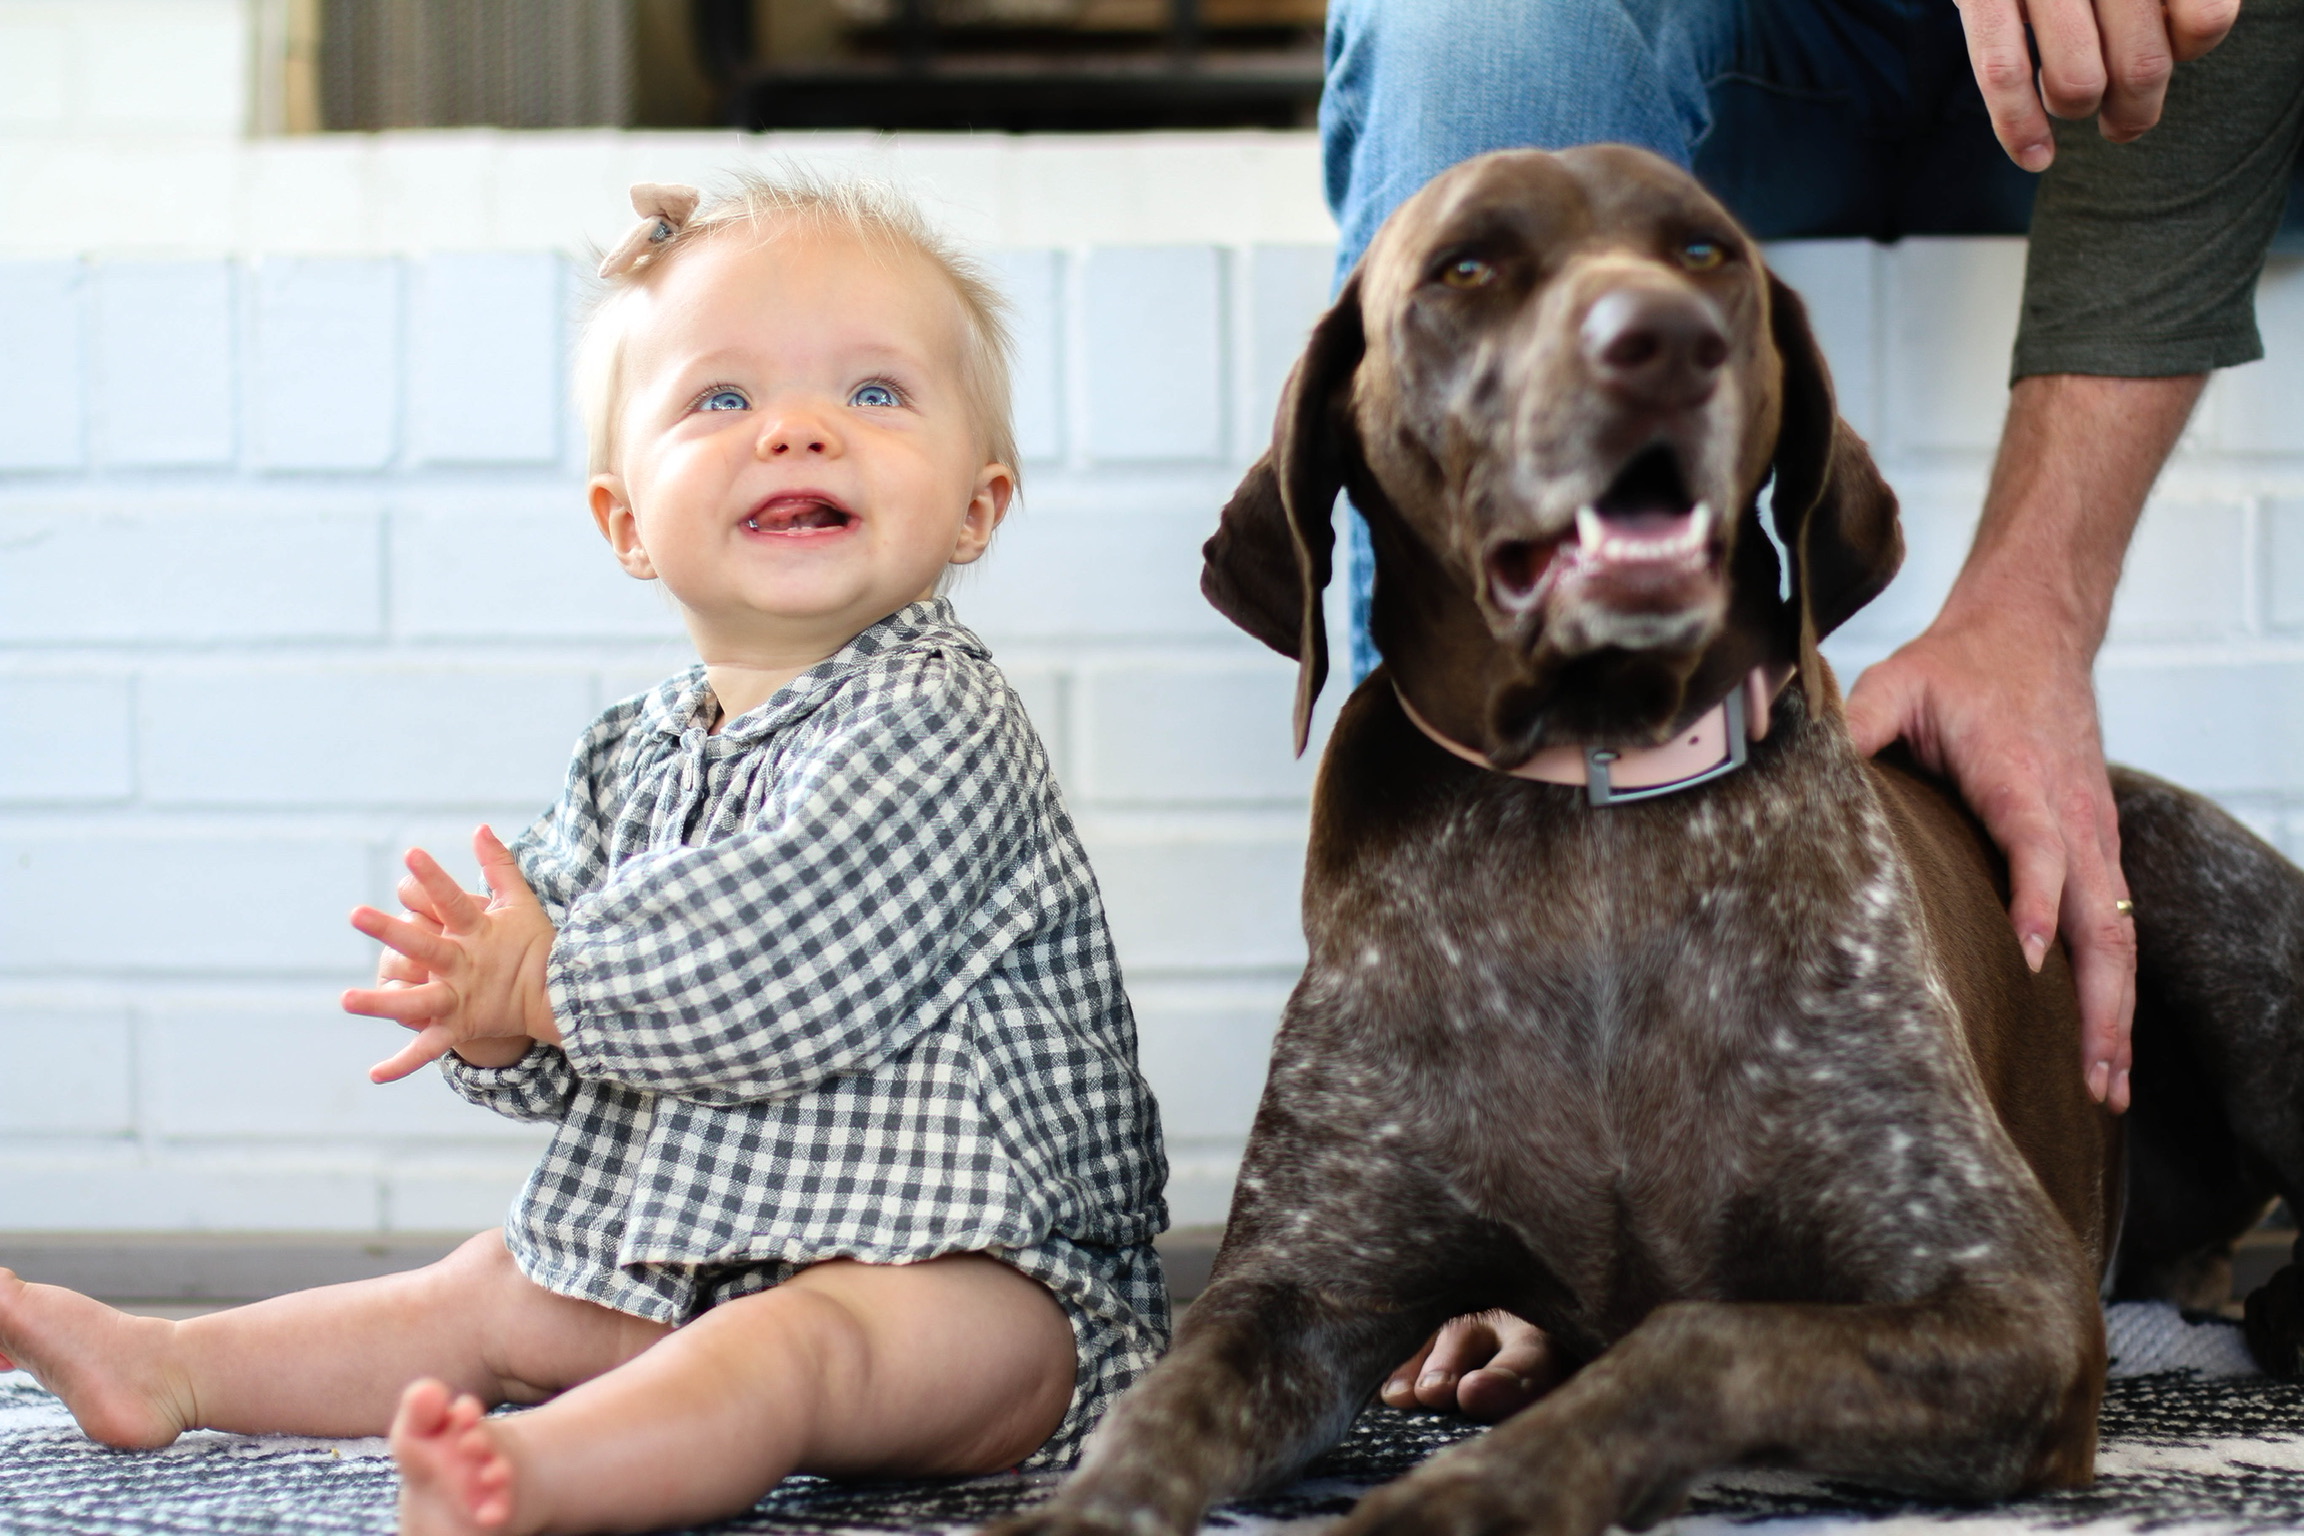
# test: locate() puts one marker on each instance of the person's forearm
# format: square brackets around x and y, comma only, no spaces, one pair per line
[2078,457]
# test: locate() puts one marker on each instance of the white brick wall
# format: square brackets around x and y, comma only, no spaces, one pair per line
[294,571]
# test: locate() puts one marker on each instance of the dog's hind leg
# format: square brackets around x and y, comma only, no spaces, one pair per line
[1969,1395]
[2218,1126]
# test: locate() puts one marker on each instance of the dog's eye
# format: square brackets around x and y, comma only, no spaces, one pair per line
[1702,255]
[1468,272]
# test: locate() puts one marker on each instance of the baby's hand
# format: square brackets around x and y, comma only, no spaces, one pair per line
[463,973]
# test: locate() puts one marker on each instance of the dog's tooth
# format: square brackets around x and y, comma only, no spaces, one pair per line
[1700,522]
[1590,531]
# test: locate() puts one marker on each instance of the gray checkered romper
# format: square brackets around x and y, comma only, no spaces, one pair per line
[835,982]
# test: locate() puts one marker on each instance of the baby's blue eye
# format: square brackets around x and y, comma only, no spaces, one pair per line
[724,400]
[874,394]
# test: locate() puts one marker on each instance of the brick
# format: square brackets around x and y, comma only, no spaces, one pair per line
[130,1194]
[164,363]
[35,74]
[1205,1051]
[1200,897]
[1186,733]
[2255,406]
[1952,306]
[1033,282]
[1838,281]
[2284,561]
[470,1199]
[104,901]
[256,1069]
[42,386]
[2230,729]
[484,359]
[326,386]
[2186,574]
[1201,1173]
[475,568]
[1939,523]
[1133,573]
[1287,292]
[68,1071]
[1155,373]
[64,738]
[180,66]
[189,573]
[359,735]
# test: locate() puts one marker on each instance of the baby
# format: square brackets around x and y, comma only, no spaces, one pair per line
[854,1173]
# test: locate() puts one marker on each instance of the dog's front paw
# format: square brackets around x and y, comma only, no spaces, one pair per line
[1062,1516]
[1469,1496]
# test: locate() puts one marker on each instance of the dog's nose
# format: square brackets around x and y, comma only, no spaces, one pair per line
[1656,346]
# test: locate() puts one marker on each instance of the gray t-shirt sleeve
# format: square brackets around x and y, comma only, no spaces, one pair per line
[2144,256]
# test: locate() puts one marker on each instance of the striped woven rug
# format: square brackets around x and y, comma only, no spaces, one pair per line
[2193,1439]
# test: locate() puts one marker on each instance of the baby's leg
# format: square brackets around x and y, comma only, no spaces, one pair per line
[330,1361]
[958,1365]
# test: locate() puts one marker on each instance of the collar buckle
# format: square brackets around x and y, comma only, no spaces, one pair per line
[1598,791]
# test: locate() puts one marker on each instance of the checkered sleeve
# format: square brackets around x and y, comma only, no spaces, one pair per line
[894,870]
[536,1087]
[557,854]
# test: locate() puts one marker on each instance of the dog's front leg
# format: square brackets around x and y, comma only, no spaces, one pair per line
[1967,1396]
[1265,1374]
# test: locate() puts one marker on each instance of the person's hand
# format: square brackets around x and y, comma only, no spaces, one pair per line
[465,977]
[1486,1365]
[2107,59]
[2010,717]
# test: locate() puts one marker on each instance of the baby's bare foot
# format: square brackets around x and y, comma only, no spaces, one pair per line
[455,1474]
[112,1370]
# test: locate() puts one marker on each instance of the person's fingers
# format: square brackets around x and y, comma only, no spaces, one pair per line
[1525,1367]
[2102,942]
[431,950]
[2015,813]
[397,967]
[2070,43]
[1462,1344]
[2137,60]
[2196,26]
[500,869]
[418,1053]
[1878,706]
[416,899]
[405,1005]
[1400,1387]
[2002,59]
[452,905]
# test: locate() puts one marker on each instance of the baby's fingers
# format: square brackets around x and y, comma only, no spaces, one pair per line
[418,943]
[425,1049]
[414,1006]
[449,902]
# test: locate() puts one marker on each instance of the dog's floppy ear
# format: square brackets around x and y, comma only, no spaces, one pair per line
[1832,509]
[1270,559]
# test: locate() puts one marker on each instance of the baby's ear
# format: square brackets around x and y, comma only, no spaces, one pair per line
[612,513]
[988,505]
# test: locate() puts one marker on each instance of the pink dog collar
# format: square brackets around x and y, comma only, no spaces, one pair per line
[1715,744]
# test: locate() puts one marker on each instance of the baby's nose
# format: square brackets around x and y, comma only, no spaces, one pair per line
[797,434]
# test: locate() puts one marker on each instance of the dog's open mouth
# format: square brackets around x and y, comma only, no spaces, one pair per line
[1644,544]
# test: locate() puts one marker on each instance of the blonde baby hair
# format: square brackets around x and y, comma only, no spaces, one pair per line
[875,215]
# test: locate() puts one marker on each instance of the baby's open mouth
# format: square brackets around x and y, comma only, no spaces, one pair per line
[802,513]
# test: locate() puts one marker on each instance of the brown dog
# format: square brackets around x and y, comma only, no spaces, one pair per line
[1743,1091]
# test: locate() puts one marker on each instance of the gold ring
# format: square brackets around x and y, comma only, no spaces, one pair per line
[2124,907]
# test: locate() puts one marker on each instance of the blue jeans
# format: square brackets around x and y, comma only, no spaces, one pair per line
[1806,117]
